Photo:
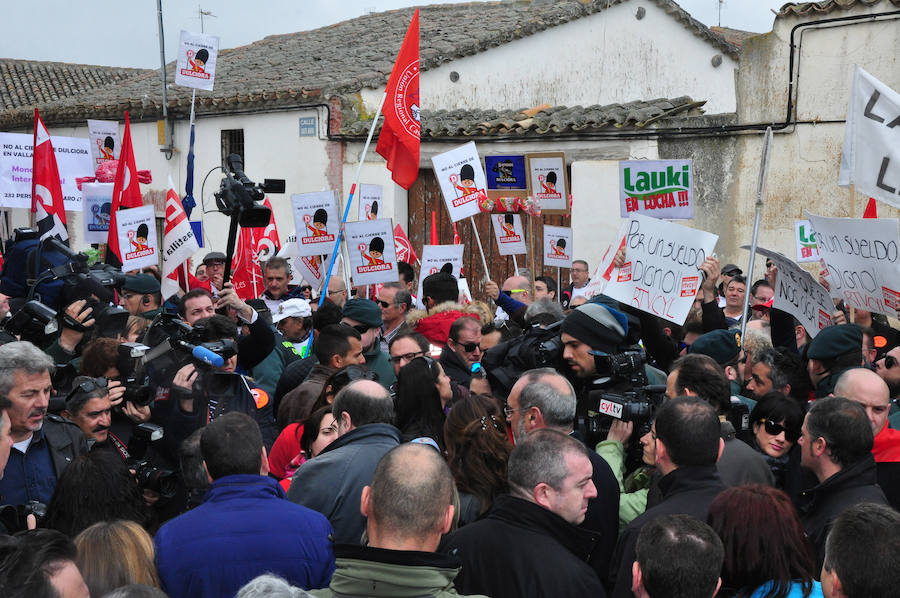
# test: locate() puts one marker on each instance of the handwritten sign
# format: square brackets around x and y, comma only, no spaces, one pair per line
[136,228]
[658,188]
[509,234]
[316,221]
[370,204]
[73,158]
[805,237]
[558,246]
[371,248]
[861,260]
[661,274]
[196,65]
[462,181]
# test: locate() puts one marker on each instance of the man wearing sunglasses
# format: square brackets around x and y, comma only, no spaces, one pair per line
[364,316]
[395,302]
[463,350]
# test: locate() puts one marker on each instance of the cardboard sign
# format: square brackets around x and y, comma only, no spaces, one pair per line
[506,180]
[73,158]
[871,154]
[369,202]
[509,233]
[316,222]
[558,246]
[799,294]
[136,229]
[548,183]
[196,65]
[462,181]
[661,274]
[104,136]
[861,261]
[97,204]
[435,258]
[805,237]
[658,188]
[370,244]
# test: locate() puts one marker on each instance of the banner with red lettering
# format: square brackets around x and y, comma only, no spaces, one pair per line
[509,234]
[317,222]
[136,234]
[462,181]
[370,244]
[658,188]
[179,243]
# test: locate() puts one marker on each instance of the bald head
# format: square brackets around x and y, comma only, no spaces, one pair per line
[542,398]
[519,283]
[867,388]
[362,402]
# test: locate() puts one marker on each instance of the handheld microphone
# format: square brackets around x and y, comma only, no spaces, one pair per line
[203,354]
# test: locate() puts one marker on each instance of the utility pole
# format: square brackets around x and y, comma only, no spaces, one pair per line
[203,13]
[721,2]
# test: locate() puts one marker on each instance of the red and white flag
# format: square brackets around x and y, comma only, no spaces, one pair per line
[398,142]
[246,276]
[403,246]
[126,192]
[46,192]
[179,244]
[267,242]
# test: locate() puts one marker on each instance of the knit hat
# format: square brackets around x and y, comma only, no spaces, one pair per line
[364,311]
[722,345]
[835,340]
[598,326]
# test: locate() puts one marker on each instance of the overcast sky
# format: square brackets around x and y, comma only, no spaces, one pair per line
[124,33]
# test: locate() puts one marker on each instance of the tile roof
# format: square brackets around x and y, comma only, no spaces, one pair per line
[734,36]
[826,6]
[542,120]
[307,67]
[26,83]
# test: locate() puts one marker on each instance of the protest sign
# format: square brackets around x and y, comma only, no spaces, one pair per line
[658,188]
[548,182]
[870,159]
[860,257]
[371,248]
[462,180]
[312,268]
[799,294]
[136,229]
[661,274]
[73,159]
[97,203]
[104,140]
[369,202]
[805,237]
[558,246]
[603,272]
[436,258]
[316,222]
[196,65]
[506,181]
[509,234]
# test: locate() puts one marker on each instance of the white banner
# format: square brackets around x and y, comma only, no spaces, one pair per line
[558,246]
[509,234]
[435,258]
[462,180]
[179,243]
[603,272]
[73,159]
[316,222]
[97,204]
[861,261]
[373,258]
[658,188]
[871,154]
[370,204]
[136,228]
[661,274]
[104,136]
[805,237]
[196,65]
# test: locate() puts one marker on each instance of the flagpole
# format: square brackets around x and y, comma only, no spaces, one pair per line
[515,265]
[480,249]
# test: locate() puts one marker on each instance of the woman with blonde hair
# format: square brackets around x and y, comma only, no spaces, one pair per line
[112,554]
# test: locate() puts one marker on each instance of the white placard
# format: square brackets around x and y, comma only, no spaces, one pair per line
[661,274]
[104,136]
[603,272]
[136,228]
[805,238]
[548,181]
[73,159]
[196,65]
[509,233]
[97,204]
[462,180]
[558,246]
[316,222]
[370,204]
[370,244]
[440,257]
[658,188]
[861,261]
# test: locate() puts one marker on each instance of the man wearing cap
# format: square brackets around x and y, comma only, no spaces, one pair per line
[215,270]
[834,350]
[725,311]
[140,295]
[591,327]
[724,346]
[293,320]
[726,274]
[364,316]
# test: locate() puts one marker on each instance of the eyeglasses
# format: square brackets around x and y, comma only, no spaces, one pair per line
[508,411]
[467,347]
[360,328]
[770,264]
[335,292]
[305,288]
[510,292]
[383,304]
[406,357]
[775,429]
[580,270]
[87,386]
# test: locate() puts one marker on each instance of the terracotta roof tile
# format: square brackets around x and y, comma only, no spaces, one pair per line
[734,36]
[827,6]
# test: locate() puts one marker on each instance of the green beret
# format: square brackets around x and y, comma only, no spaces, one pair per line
[144,284]
[364,311]
[835,340]
[722,345]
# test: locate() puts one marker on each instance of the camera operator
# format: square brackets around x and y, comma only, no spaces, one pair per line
[591,327]
[141,296]
[72,330]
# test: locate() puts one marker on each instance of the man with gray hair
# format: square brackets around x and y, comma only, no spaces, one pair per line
[42,444]
[542,398]
[528,545]
[333,482]
[395,302]
[407,515]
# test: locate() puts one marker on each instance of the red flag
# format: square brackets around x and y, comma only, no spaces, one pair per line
[403,246]
[871,209]
[126,191]
[245,273]
[46,192]
[398,142]
[434,235]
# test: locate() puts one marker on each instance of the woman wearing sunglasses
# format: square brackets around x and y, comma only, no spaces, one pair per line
[423,391]
[776,422]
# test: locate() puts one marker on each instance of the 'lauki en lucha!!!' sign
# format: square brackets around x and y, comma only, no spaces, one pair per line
[658,188]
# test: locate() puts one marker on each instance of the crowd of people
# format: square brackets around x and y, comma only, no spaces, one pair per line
[376,443]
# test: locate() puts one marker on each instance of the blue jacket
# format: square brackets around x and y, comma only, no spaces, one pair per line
[796,590]
[244,528]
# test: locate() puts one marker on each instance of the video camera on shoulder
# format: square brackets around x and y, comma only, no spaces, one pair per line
[537,348]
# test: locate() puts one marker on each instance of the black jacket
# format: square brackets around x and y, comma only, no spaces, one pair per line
[822,504]
[685,491]
[520,550]
[256,346]
[65,439]
[455,367]
[602,515]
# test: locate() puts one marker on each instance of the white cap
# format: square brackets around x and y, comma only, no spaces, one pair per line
[292,308]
